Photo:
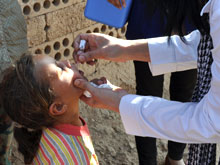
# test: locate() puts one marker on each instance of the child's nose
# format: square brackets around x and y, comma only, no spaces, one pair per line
[67,63]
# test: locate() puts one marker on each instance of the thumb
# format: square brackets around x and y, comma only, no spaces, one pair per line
[123,3]
[88,56]
[85,85]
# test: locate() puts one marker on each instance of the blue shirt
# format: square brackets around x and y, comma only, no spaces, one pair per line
[141,25]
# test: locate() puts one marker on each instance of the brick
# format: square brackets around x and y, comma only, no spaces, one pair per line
[35,30]
[33,8]
[98,28]
[121,32]
[67,20]
[60,48]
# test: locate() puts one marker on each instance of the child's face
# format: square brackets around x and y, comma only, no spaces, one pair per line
[61,76]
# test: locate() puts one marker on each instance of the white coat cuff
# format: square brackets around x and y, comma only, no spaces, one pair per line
[128,113]
[174,56]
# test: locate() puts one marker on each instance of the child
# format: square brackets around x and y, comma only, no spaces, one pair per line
[39,95]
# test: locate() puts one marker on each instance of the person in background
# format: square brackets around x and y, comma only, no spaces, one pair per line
[38,94]
[147,19]
[13,43]
[190,122]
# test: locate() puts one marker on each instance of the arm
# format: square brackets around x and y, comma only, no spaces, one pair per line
[101,46]
[160,118]
[157,117]
[176,56]
[163,57]
[182,122]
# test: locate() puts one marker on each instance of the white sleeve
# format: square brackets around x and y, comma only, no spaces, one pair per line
[174,56]
[160,118]
[182,122]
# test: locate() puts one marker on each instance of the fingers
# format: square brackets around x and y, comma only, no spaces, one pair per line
[91,102]
[104,80]
[78,39]
[80,56]
[85,85]
[82,74]
[123,3]
[100,81]
[96,45]
[116,3]
[95,81]
[88,57]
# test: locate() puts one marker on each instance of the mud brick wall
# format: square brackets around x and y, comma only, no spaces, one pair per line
[52,26]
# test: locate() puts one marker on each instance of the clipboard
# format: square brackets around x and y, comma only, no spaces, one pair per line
[104,12]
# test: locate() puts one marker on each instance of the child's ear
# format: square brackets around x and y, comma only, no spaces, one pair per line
[57,108]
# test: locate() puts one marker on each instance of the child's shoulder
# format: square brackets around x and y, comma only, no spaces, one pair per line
[63,146]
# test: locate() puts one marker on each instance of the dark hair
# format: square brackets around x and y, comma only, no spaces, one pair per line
[26,100]
[176,12]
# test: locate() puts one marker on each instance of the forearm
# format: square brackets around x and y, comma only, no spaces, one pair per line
[136,50]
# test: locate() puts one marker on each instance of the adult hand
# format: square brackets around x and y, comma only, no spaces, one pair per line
[118,3]
[101,97]
[99,46]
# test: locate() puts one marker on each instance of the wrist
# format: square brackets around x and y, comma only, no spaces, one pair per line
[120,94]
[137,50]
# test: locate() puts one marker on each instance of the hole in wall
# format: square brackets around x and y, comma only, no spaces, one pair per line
[56,46]
[47,49]
[38,51]
[66,52]
[110,27]
[46,4]
[37,7]
[123,30]
[57,56]
[96,30]
[65,1]
[56,2]
[25,1]
[103,28]
[65,42]
[26,10]
[111,34]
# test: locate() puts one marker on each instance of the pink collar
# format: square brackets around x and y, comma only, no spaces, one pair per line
[73,130]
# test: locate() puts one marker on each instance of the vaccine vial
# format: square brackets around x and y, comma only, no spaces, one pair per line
[82,45]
